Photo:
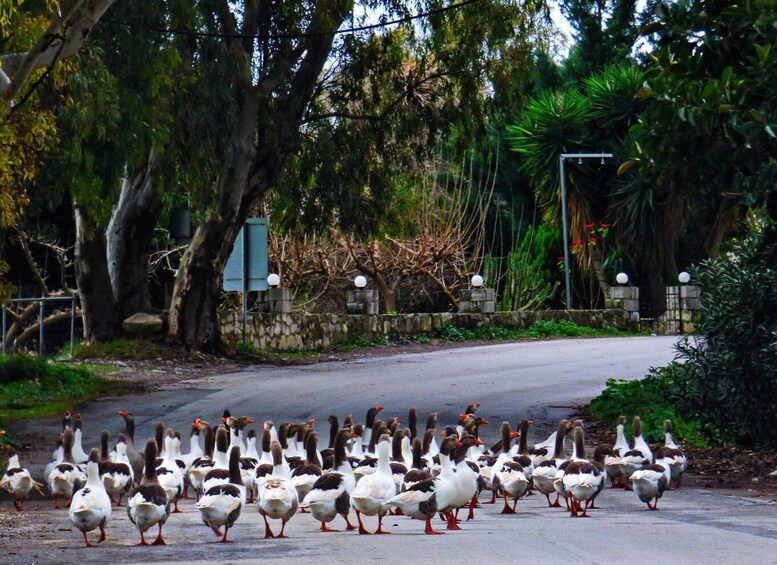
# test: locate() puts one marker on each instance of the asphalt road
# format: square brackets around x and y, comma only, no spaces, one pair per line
[538,380]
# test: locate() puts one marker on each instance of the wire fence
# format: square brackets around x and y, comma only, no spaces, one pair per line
[46,324]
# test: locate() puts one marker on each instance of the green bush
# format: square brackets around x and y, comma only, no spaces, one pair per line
[729,377]
[653,399]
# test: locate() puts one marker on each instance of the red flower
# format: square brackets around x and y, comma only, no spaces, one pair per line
[577,242]
[594,240]
[590,226]
[604,226]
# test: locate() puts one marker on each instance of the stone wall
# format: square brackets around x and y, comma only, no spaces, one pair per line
[310,332]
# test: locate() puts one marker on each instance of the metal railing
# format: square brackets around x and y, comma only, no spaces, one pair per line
[42,302]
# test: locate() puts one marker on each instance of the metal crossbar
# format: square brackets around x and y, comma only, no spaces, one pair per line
[41,317]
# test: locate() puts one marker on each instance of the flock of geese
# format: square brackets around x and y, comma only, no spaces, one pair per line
[373,468]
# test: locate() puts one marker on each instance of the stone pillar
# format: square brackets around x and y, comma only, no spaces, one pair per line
[690,303]
[280,300]
[362,301]
[625,298]
[477,300]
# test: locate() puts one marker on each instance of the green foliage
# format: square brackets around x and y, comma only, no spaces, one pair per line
[729,379]
[31,386]
[352,342]
[528,280]
[654,400]
[130,349]
[539,329]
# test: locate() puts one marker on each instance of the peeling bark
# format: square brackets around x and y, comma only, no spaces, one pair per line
[129,239]
[100,315]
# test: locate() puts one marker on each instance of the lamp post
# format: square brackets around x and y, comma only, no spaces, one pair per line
[684,278]
[563,157]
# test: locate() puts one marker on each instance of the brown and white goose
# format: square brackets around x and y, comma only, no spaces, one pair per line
[672,455]
[66,477]
[201,465]
[639,455]
[304,476]
[544,474]
[135,457]
[116,476]
[331,493]
[277,496]
[369,423]
[221,505]
[90,507]
[18,482]
[219,473]
[650,482]
[169,472]
[582,479]
[372,491]
[612,462]
[148,504]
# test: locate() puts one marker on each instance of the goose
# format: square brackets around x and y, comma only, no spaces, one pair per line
[397,464]
[248,465]
[431,424]
[369,464]
[369,423]
[511,481]
[116,476]
[520,452]
[601,453]
[79,455]
[327,454]
[219,473]
[242,423]
[148,504]
[544,475]
[90,507]
[203,464]
[356,453]
[505,438]
[221,505]
[266,468]
[330,495]
[195,451]
[135,457]
[578,454]
[372,491]
[639,455]
[467,478]
[430,496]
[612,462]
[159,436]
[582,480]
[304,476]
[56,458]
[412,423]
[169,473]
[18,482]
[66,477]
[418,470]
[650,482]
[672,455]
[277,496]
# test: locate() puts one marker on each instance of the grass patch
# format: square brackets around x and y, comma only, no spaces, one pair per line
[32,387]
[133,349]
[360,342]
[654,400]
[540,329]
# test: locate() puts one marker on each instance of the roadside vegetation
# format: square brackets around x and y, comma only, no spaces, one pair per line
[32,387]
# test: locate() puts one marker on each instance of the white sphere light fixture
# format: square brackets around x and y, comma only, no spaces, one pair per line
[477,281]
[273,279]
[622,278]
[360,281]
[684,277]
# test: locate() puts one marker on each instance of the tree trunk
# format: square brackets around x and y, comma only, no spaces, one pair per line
[100,316]
[129,239]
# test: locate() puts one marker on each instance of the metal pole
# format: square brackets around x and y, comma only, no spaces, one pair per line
[40,330]
[565,230]
[680,306]
[72,326]
[4,328]
[245,282]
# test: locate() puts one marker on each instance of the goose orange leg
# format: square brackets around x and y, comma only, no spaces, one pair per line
[350,527]
[362,529]
[86,541]
[267,531]
[380,529]
[283,527]
[159,539]
[102,533]
[429,530]
[323,528]
[224,539]
[142,540]
[507,509]
[493,498]
[472,505]
[452,525]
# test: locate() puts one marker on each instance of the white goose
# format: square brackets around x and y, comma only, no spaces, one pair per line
[66,477]
[508,478]
[148,504]
[372,491]
[168,472]
[277,496]
[221,505]
[201,465]
[79,455]
[56,458]
[116,475]
[90,507]
[331,493]
[424,499]
[219,473]
[18,482]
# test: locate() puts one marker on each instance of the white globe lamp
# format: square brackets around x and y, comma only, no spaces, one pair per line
[622,278]
[273,279]
[477,281]
[360,281]
[684,277]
